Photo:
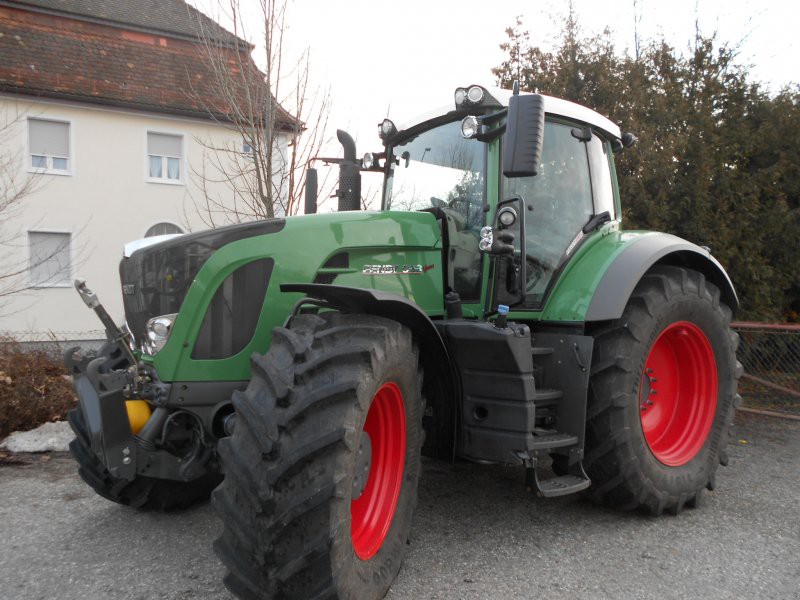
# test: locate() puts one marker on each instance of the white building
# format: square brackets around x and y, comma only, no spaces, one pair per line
[112,115]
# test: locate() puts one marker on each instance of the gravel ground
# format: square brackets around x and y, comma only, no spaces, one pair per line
[477,534]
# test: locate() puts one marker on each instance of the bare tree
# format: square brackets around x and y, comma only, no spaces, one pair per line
[279,120]
[14,188]
[637,24]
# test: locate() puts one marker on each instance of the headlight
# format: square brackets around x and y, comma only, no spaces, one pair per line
[469,127]
[386,129]
[475,94]
[507,216]
[459,96]
[487,238]
[368,160]
[158,330]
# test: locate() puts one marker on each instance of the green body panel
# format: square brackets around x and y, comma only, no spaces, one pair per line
[572,292]
[299,251]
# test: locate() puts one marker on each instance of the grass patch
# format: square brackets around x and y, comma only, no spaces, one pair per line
[34,387]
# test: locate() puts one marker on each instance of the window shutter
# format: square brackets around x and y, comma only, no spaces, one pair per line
[49,257]
[160,144]
[50,138]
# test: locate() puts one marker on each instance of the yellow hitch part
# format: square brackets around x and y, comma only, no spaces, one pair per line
[138,413]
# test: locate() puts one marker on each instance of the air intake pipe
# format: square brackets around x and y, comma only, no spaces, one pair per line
[311,191]
[349,192]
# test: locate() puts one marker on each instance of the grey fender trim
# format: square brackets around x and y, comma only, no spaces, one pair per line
[619,280]
[435,358]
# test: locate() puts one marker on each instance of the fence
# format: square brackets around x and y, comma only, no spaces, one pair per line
[770,355]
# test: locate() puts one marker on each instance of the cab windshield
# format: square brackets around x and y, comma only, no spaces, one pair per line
[441,169]
[438,168]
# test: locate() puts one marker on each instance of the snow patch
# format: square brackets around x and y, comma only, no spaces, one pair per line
[50,437]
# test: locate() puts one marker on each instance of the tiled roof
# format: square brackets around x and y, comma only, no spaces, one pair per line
[174,17]
[58,57]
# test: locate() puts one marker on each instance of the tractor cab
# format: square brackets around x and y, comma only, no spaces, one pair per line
[546,164]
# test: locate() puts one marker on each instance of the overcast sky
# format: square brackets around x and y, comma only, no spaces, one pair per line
[406,56]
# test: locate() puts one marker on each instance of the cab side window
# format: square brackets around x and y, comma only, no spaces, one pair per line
[602,189]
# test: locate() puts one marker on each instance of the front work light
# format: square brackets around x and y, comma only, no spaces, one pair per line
[468,96]
[368,160]
[470,127]
[507,216]
[386,129]
[475,94]
[487,238]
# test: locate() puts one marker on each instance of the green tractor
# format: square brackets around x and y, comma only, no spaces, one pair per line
[493,310]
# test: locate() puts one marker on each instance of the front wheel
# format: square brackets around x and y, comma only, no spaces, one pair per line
[662,393]
[322,467]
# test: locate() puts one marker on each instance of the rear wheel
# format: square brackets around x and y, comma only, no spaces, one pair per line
[662,393]
[322,467]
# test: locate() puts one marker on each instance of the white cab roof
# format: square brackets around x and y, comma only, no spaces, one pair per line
[552,106]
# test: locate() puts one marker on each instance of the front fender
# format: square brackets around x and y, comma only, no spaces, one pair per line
[442,385]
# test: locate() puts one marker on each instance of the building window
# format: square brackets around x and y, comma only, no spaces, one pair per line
[49,261]
[164,153]
[163,229]
[247,148]
[48,145]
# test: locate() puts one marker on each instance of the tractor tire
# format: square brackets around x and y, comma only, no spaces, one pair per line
[662,395]
[143,493]
[322,468]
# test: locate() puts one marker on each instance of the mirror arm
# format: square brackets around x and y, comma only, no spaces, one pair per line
[491,135]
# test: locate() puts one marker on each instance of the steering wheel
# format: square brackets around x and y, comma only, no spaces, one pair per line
[535,269]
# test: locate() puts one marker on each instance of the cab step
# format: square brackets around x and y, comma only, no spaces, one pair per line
[560,485]
[547,439]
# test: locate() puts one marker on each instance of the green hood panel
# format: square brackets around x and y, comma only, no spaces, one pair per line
[390,238]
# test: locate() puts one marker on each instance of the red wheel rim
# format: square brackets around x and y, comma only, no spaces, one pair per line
[678,393]
[371,514]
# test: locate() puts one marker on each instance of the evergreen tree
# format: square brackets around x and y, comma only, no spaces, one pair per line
[716,162]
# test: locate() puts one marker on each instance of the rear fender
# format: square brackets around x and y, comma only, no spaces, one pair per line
[620,278]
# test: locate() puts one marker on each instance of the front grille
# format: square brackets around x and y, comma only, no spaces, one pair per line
[232,315]
[156,279]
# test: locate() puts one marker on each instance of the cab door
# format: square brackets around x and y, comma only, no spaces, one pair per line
[572,186]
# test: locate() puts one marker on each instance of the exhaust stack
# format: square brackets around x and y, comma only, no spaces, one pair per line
[349,192]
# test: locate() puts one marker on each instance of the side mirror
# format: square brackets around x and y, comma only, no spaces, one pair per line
[522,144]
